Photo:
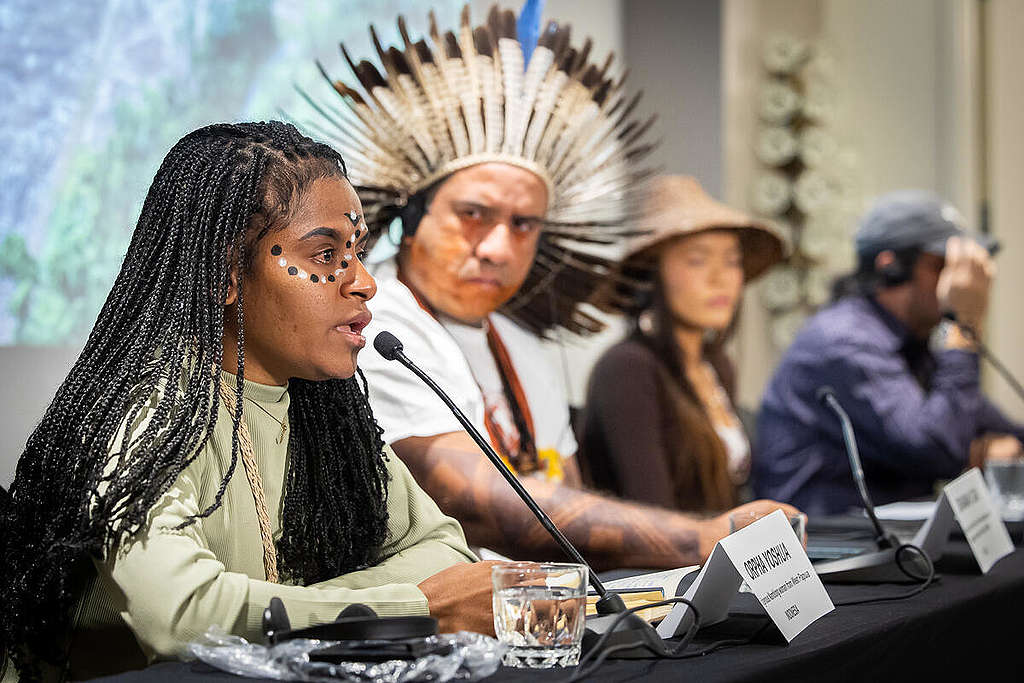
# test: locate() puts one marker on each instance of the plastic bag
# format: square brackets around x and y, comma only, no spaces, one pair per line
[471,656]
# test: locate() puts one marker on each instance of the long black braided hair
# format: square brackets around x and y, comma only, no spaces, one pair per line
[76,496]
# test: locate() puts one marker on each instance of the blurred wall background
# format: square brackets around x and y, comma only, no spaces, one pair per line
[96,91]
[929,98]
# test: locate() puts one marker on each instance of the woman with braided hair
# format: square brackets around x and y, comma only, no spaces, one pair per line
[228,342]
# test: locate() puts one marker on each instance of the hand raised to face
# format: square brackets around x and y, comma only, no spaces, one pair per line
[965,281]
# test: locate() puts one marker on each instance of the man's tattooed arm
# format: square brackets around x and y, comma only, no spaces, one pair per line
[607,531]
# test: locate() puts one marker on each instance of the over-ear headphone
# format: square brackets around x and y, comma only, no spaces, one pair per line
[416,207]
[899,270]
[355,622]
[412,213]
[894,273]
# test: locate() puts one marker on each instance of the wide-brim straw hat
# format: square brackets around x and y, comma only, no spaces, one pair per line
[677,206]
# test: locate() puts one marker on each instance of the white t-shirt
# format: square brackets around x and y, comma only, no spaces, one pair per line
[404,406]
[475,346]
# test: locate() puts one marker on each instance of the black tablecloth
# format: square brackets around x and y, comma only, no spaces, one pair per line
[966,624]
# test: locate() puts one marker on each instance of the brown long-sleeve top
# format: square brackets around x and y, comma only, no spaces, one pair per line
[633,442]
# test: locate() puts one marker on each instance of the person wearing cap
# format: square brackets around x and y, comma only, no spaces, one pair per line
[919,415]
[499,194]
[659,425]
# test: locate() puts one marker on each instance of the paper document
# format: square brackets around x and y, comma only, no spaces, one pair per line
[667,581]
[904,511]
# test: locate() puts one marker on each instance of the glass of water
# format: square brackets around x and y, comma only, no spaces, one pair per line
[539,612]
[1006,483]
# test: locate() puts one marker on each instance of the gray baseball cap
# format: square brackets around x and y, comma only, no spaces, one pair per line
[913,218]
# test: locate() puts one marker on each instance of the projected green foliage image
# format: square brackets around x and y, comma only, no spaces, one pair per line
[95,94]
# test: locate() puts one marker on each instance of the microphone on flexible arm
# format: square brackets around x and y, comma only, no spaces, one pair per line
[388,346]
[986,353]
[826,396]
[885,564]
[610,606]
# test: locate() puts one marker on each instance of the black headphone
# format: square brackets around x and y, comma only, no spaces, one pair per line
[898,271]
[413,212]
[416,206]
[355,622]
[895,273]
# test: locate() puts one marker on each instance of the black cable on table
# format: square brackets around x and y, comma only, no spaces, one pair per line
[925,580]
[586,668]
[581,671]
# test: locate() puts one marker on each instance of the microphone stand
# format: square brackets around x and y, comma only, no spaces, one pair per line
[629,629]
[882,565]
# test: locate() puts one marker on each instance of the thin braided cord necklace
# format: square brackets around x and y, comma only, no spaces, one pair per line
[252,473]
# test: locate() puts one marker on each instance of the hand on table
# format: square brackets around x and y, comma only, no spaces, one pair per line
[995,447]
[459,598]
[717,528]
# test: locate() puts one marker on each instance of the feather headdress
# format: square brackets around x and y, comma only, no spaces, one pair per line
[469,98]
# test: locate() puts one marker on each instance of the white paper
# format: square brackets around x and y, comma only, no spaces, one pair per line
[667,581]
[905,511]
[982,525]
[488,554]
[771,559]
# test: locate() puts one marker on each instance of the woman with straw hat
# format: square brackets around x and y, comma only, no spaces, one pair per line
[660,426]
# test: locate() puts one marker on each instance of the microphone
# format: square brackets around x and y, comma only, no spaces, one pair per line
[390,348]
[826,396]
[985,353]
[886,564]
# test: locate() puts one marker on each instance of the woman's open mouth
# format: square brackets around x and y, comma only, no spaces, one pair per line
[353,329]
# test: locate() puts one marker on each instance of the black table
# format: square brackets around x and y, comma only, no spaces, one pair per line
[966,624]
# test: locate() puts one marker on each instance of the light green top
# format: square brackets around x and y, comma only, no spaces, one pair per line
[168,586]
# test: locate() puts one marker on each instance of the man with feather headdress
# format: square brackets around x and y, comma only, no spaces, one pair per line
[504,160]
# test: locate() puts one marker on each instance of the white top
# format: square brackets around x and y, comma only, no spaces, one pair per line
[737,446]
[472,340]
[404,406]
[737,450]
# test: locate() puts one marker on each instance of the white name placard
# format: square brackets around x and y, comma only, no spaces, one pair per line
[983,526]
[771,559]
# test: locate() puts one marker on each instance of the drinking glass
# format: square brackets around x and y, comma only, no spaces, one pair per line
[1006,483]
[539,612]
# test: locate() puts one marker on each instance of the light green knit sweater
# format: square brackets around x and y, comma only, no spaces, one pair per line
[165,587]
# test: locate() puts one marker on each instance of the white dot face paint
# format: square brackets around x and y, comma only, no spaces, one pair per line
[315,278]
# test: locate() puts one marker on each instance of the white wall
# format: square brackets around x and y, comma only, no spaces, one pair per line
[30,375]
[1004,54]
[744,24]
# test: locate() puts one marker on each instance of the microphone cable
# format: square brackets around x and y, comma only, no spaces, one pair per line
[586,667]
[923,581]
[677,652]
